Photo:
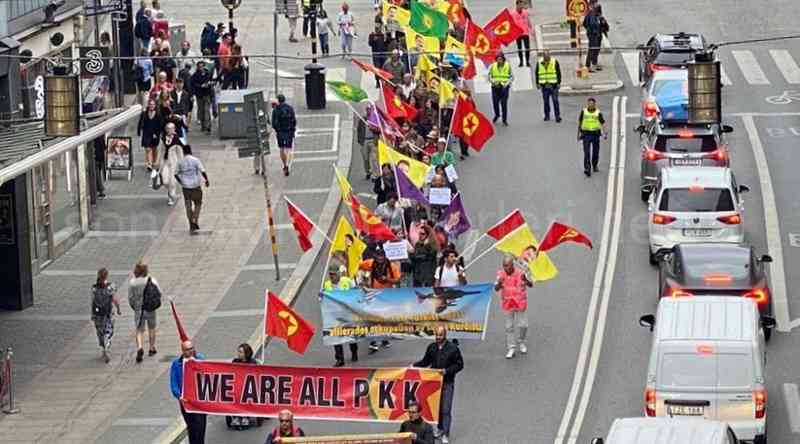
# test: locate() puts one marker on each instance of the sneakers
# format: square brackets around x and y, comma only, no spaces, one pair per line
[373,348]
[170,202]
[339,363]
[236,422]
[523,349]
[510,353]
[445,439]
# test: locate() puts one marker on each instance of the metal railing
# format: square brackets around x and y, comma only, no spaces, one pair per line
[7,384]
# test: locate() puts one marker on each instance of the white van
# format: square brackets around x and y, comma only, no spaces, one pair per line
[668,431]
[707,361]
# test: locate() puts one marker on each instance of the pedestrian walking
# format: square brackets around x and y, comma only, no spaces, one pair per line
[143,30]
[500,76]
[324,28]
[548,80]
[190,174]
[450,273]
[421,431]
[149,128]
[244,355]
[594,34]
[224,57]
[100,166]
[144,297]
[172,154]
[338,280]
[308,8]
[423,257]
[368,135]
[104,299]
[235,74]
[286,428]
[444,355]
[195,422]
[292,13]
[182,103]
[591,125]
[284,123]
[202,89]
[523,20]
[512,284]
[378,43]
[347,29]
[143,75]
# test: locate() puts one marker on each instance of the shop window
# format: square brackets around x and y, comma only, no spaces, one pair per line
[66,217]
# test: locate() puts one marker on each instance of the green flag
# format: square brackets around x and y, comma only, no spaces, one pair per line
[347,92]
[427,21]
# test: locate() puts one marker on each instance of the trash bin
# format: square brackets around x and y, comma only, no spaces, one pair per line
[315,86]
[234,120]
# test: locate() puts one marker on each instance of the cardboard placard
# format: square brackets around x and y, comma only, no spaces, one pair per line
[439,196]
[395,251]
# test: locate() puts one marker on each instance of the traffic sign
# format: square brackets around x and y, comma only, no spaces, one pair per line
[576,8]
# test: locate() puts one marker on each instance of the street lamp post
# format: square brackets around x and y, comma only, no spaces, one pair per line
[231,5]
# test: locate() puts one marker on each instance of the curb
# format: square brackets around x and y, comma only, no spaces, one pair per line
[594,89]
[177,430]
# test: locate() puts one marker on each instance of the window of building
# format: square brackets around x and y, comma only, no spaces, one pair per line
[18,8]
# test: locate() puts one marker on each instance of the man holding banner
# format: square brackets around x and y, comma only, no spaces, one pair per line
[285,429]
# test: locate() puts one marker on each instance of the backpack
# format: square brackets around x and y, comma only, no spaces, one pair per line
[101,302]
[208,38]
[151,300]
[604,27]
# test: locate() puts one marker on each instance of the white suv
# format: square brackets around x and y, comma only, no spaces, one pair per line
[694,204]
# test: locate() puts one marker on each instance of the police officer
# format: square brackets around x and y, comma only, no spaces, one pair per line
[500,77]
[591,125]
[548,79]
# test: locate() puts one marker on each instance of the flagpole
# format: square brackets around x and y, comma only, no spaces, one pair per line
[472,245]
[264,330]
[484,253]
[325,235]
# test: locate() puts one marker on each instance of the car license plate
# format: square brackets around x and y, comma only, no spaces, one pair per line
[687,162]
[697,232]
[685,410]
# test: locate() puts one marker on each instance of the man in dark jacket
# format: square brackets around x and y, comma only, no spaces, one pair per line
[444,355]
[284,123]
[100,165]
[594,34]
[285,429]
[422,431]
[143,30]
[195,422]
[423,258]
[182,103]
[202,89]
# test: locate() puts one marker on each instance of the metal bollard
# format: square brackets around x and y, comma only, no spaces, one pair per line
[11,409]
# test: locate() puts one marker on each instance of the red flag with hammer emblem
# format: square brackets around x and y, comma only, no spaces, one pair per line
[282,322]
[470,125]
[559,233]
[503,29]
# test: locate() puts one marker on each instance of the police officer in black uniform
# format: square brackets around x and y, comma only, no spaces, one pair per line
[591,125]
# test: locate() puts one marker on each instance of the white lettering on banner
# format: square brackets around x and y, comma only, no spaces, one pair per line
[782,132]
[794,239]
[439,196]
[395,251]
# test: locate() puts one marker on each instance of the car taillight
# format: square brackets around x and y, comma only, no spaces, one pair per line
[662,219]
[656,67]
[760,295]
[674,292]
[650,402]
[720,154]
[650,109]
[733,219]
[652,155]
[760,400]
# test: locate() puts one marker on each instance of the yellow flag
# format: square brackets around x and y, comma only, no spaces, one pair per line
[446,90]
[395,17]
[418,43]
[352,246]
[344,185]
[516,242]
[417,171]
[425,68]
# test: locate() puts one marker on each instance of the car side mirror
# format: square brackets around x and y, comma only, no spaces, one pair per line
[648,321]
[768,322]
[598,441]
[727,129]
[766,259]
[744,188]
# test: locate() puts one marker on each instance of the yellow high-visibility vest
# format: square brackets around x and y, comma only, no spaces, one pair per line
[500,74]
[591,120]
[547,73]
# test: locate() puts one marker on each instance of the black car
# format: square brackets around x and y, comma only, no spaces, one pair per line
[717,269]
[668,51]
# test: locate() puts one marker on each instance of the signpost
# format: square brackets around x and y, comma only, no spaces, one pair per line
[575,11]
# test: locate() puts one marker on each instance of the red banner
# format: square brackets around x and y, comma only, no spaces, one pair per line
[348,394]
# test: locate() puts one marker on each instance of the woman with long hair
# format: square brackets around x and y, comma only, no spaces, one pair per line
[104,298]
[150,125]
[141,317]
[244,355]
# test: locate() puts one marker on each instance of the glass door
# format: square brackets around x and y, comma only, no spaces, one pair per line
[43,221]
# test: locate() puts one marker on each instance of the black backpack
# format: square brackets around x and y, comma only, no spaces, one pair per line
[208,38]
[101,302]
[151,300]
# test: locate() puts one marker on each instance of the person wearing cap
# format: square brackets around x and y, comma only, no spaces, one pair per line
[500,76]
[396,67]
[195,422]
[338,280]
[442,155]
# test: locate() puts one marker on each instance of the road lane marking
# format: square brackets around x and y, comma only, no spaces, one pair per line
[750,68]
[724,76]
[794,239]
[792,399]
[787,65]
[631,59]
[269,267]
[608,279]
[146,422]
[772,225]
[588,330]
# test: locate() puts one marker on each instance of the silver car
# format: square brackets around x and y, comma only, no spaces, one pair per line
[694,204]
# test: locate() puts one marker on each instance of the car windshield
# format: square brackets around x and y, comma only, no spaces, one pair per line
[675,57]
[703,200]
[724,370]
[671,87]
[673,144]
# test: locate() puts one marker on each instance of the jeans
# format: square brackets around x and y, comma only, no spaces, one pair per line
[516,321]
[550,92]
[338,351]
[591,150]
[306,21]
[446,407]
[323,43]
[369,156]
[233,79]
[203,105]
[525,41]
[500,101]
[347,43]
[100,169]
[195,425]
[594,44]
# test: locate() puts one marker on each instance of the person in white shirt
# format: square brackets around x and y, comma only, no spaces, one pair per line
[449,274]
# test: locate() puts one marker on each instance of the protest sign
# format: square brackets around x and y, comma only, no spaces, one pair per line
[439,196]
[395,251]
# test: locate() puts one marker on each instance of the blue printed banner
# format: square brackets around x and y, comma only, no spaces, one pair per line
[404,313]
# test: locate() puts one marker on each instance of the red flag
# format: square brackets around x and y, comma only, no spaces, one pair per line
[395,106]
[365,220]
[302,225]
[385,75]
[514,220]
[455,12]
[282,322]
[503,29]
[181,331]
[479,44]
[470,125]
[559,233]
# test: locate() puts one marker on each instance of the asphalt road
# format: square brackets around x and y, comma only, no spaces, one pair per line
[536,166]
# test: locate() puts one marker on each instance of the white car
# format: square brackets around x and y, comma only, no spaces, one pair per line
[694,204]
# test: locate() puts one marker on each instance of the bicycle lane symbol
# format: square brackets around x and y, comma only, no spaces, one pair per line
[784,99]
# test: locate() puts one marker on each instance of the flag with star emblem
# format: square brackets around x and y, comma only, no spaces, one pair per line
[366,221]
[479,44]
[396,107]
[428,21]
[503,29]
[280,321]
[470,125]
[346,91]
[559,233]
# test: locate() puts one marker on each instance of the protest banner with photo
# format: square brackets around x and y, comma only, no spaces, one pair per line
[404,313]
[325,393]
[440,196]
[395,251]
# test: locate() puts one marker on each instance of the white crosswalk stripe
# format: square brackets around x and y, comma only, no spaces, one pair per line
[786,64]
[631,59]
[750,68]
[724,76]
[523,80]
[336,75]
